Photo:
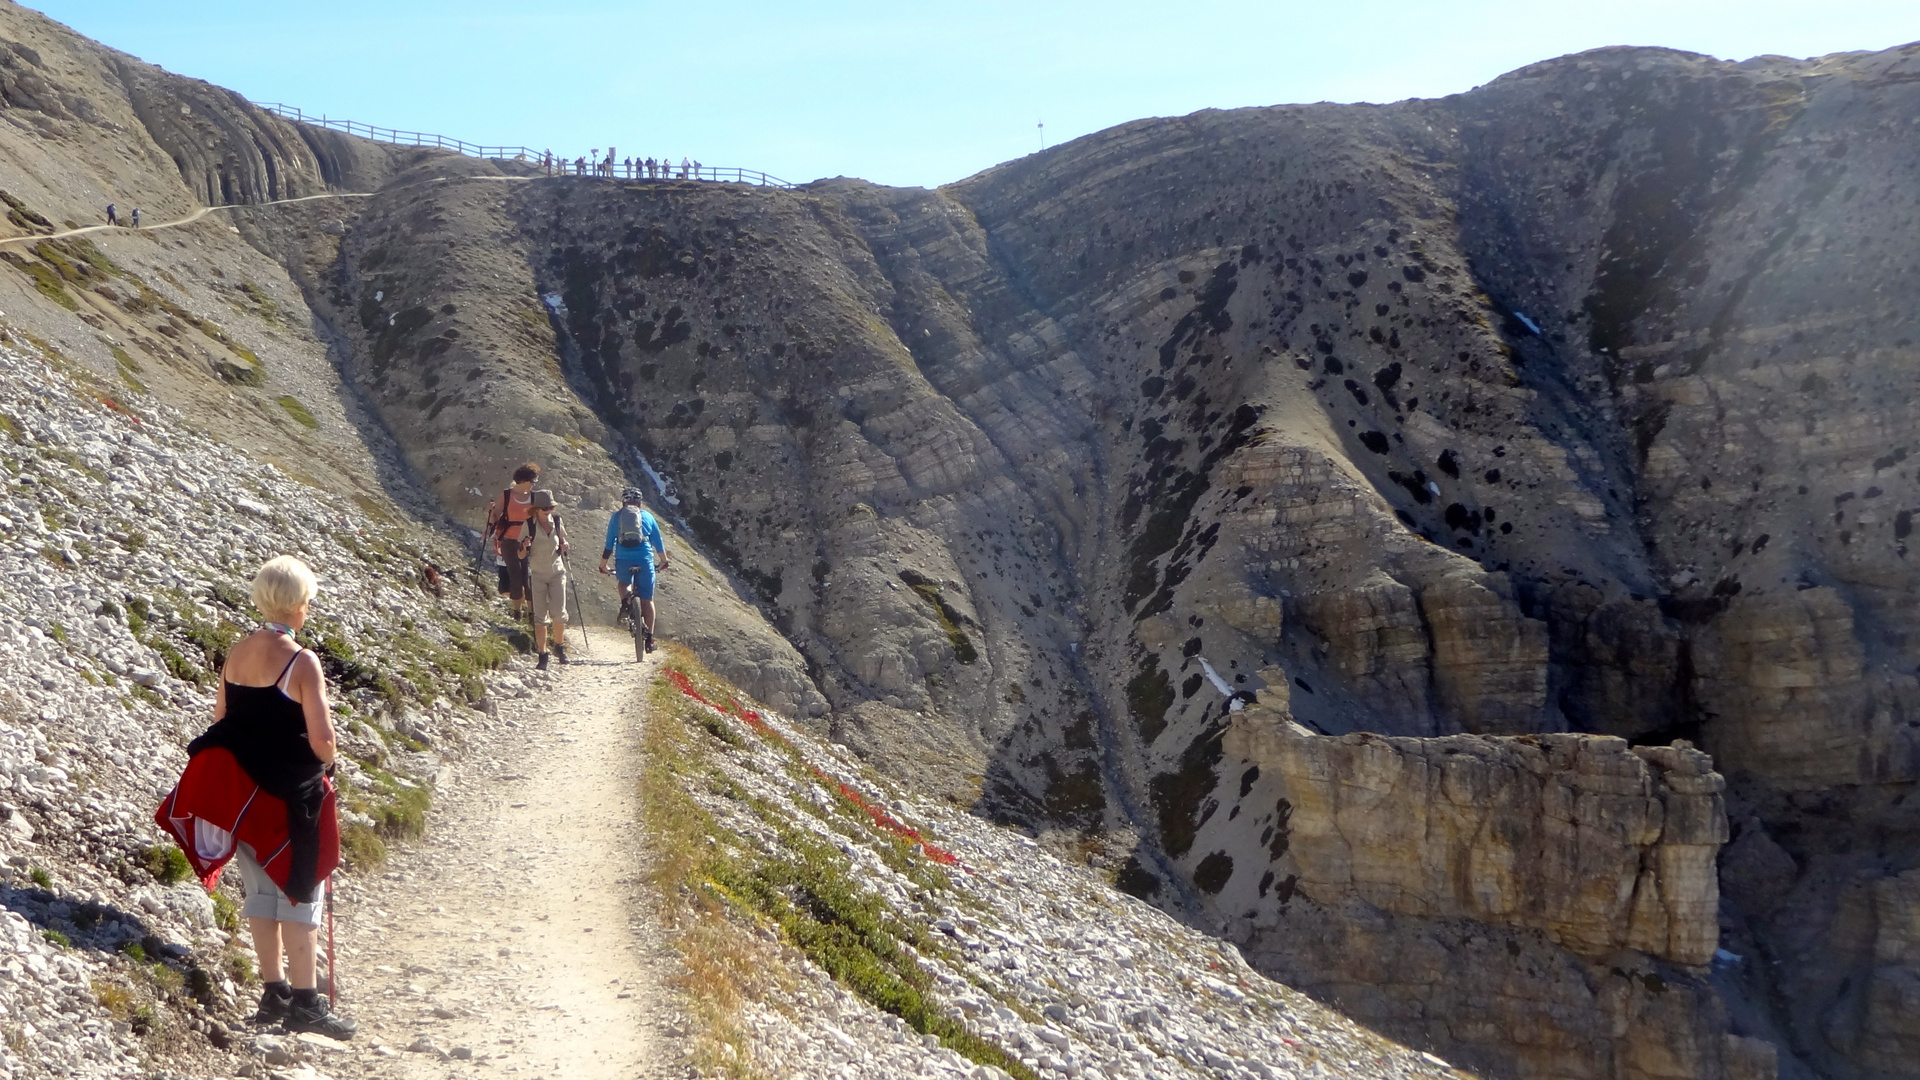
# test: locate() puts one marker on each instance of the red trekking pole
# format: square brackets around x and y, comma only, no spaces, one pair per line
[333,972]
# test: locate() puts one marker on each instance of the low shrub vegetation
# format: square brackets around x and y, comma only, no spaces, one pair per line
[720,888]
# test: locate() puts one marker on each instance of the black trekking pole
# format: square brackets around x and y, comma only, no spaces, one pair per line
[579,610]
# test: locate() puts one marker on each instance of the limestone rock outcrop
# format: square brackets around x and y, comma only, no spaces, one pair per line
[1595,844]
[1533,905]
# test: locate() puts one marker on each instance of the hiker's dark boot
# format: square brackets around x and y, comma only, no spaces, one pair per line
[275,1001]
[560,653]
[542,665]
[649,642]
[320,1019]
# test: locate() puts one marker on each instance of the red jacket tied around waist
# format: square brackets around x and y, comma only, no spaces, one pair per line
[217,806]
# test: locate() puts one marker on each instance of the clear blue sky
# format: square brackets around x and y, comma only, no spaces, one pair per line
[898,93]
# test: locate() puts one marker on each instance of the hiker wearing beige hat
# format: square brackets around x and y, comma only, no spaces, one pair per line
[543,544]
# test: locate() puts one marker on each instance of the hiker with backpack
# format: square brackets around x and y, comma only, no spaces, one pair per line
[543,544]
[258,789]
[634,544]
[505,520]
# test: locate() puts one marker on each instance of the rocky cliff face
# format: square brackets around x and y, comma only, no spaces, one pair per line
[1551,898]
[1500,428]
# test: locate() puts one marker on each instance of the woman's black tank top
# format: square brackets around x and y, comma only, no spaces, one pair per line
[267,733]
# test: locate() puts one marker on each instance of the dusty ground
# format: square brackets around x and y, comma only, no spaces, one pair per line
[516,939]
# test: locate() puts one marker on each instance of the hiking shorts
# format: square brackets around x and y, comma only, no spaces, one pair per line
[639,572]
[549,595]
[264,898]
[516,571]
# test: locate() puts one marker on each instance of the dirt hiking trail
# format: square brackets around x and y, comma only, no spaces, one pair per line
[132,230]
[516,935]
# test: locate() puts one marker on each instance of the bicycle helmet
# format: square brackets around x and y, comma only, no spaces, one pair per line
[633,495]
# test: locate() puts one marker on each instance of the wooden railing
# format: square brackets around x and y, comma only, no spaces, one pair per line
[555,166]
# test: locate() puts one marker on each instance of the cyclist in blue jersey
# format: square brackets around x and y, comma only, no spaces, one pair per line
[635,545]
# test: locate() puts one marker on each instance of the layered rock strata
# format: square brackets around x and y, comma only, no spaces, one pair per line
[1444,416]
[1449,889]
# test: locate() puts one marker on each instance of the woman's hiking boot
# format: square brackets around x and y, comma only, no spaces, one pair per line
[542,665]
[275,1001]
[560,653]
[320,1019]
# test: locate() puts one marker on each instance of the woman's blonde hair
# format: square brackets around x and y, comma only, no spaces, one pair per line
[282,585]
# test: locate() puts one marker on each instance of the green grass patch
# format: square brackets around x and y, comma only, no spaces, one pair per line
[167,863]
[82,249]
[361,849]
[853,935]
[262,304]
[805,886]
[22,215]
[45,279]
[214,640]
[177,665]
[75,462]
[344,666]
[128,367]
[226,914]
[398,809]
[39,876]
[57,938]
[404,813]
[240,374]
[299,412]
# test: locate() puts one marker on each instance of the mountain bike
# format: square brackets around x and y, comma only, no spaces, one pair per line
[630,613]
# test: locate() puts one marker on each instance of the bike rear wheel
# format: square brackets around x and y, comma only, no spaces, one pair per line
[639,640]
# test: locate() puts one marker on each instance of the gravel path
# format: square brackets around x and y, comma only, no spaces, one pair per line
[517,937]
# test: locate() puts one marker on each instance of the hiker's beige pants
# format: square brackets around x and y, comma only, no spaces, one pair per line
[549,594]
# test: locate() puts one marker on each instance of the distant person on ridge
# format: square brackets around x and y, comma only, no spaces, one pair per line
[136,217]
[633,542]
[113,217]
[505,520]
[543,544]
[696,170]
[684,166]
